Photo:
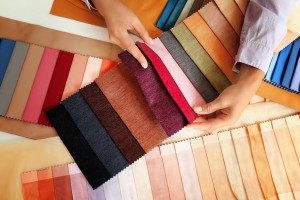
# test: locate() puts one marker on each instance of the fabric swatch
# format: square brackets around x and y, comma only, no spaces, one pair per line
[92,70]
[195,7]
[172,19]
[170,83]
[160,102]
[166,13]
[295,84]
[271,67]
[243,4]
[56,85]
[293,123]
[46,185]
[112,189]
[40,86]
[6,49]
[93,170]
[112,122]
[291,65]
[95,134]
[127,185]
[30,185]
[78,183]
[11,75]
[189,67]
[62,182]
[185,12]
[107,65]
[122,91]
[96,194]
[25,82]
[281,64]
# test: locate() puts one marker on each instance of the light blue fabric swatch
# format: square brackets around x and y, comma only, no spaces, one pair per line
[166,13]
[271,67]
[174,15]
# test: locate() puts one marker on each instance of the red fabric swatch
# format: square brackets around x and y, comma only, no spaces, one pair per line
[169,82]
[57,84]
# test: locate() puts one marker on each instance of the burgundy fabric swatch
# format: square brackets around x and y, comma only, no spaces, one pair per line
[57,84]
[160,102]
[112,122]
[169,82]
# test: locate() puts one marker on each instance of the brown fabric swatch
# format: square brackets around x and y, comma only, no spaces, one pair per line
[113,124]
[123,92]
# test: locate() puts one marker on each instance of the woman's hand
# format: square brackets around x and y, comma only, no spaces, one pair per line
[230,104]
[120,19]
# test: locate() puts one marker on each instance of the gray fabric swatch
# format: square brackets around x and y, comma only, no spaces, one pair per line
[195,7]
[187,65]
[95,134]
[12,75]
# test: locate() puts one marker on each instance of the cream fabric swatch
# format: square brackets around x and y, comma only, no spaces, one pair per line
[127,184]
[294,128]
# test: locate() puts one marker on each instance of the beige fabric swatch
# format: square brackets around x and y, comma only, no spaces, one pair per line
[243,4]
[294,128]
[203,171]
[288,154]
[243,152]
[217,167]
[232,165]
[261,163]
[275,161]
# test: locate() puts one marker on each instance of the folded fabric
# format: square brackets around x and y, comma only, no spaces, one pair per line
[186,10]
[295,85]
[166,13]
[291,65]
[6,49]
[174,15]
[187,65]
[160,102]
[271,67]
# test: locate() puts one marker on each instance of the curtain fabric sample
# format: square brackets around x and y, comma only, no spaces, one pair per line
[293,123]
[96,194]
[112,189]
[6,49]
[188,67]
[46,185]
[93,170]
[92,70]
[56,85]
[25,82]
[95,134]
[62,182]
[295,84]
[122,91]
[30,185]
[11,75]
[160,102]
[78,183]
[107,65]
[40,85]
[172,19]
[113,124]
[127,185]
[170,84]
[243,4]
[271,67]
[186,10]
[171,4]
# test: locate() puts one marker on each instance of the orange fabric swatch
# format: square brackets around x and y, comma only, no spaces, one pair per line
[288,154]
[172,171]
[157,175]
[203,171]
[221,28]
[30,185]
[261,163]
[46,186]
[294,128]
[62,182]
[107,65]
[210,43]
[243,152]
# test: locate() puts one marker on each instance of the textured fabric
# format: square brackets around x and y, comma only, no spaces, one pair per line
[204,62]
[78,183]
[81,151]
[56,85]
[112,122]
[95,134]
[107,65]
[62,182]
[174,15]
[6,49]
[291,65]
[92,70]
[185,12]
[169,83]
[122,91]
[26,78]
[221,28]
[30,185]
[190,93]
[11,75]
[160,102]
[127,184]
[40,85]
[293,123]
[281,64]
[166,13]
[189,67]
[243,4]
[222,58]
[295,85]
[45,183]
[271,67]
[196,6]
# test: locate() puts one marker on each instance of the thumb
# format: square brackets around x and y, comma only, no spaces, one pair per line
[209,107]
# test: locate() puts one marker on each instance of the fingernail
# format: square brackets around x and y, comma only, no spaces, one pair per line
[198,109]
[144,65]
[151,41]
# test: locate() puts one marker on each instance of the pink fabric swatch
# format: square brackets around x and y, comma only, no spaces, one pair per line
[40,86]
[189,91]
[92,71]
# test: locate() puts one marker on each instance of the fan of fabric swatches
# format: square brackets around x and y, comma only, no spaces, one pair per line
[260,161]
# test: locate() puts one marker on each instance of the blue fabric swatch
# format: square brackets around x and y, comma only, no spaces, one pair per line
[6,49]
[281,64]
[174,15]
[291,66]
[166,13]
[295,85]
[271,67]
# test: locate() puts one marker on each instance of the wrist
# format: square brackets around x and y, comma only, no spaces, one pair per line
[104,6]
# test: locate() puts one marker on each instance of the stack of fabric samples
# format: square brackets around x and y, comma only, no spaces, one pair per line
[259,161]
[34,79]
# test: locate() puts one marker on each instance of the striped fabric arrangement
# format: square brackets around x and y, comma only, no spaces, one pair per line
[34,79]
[260,161]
